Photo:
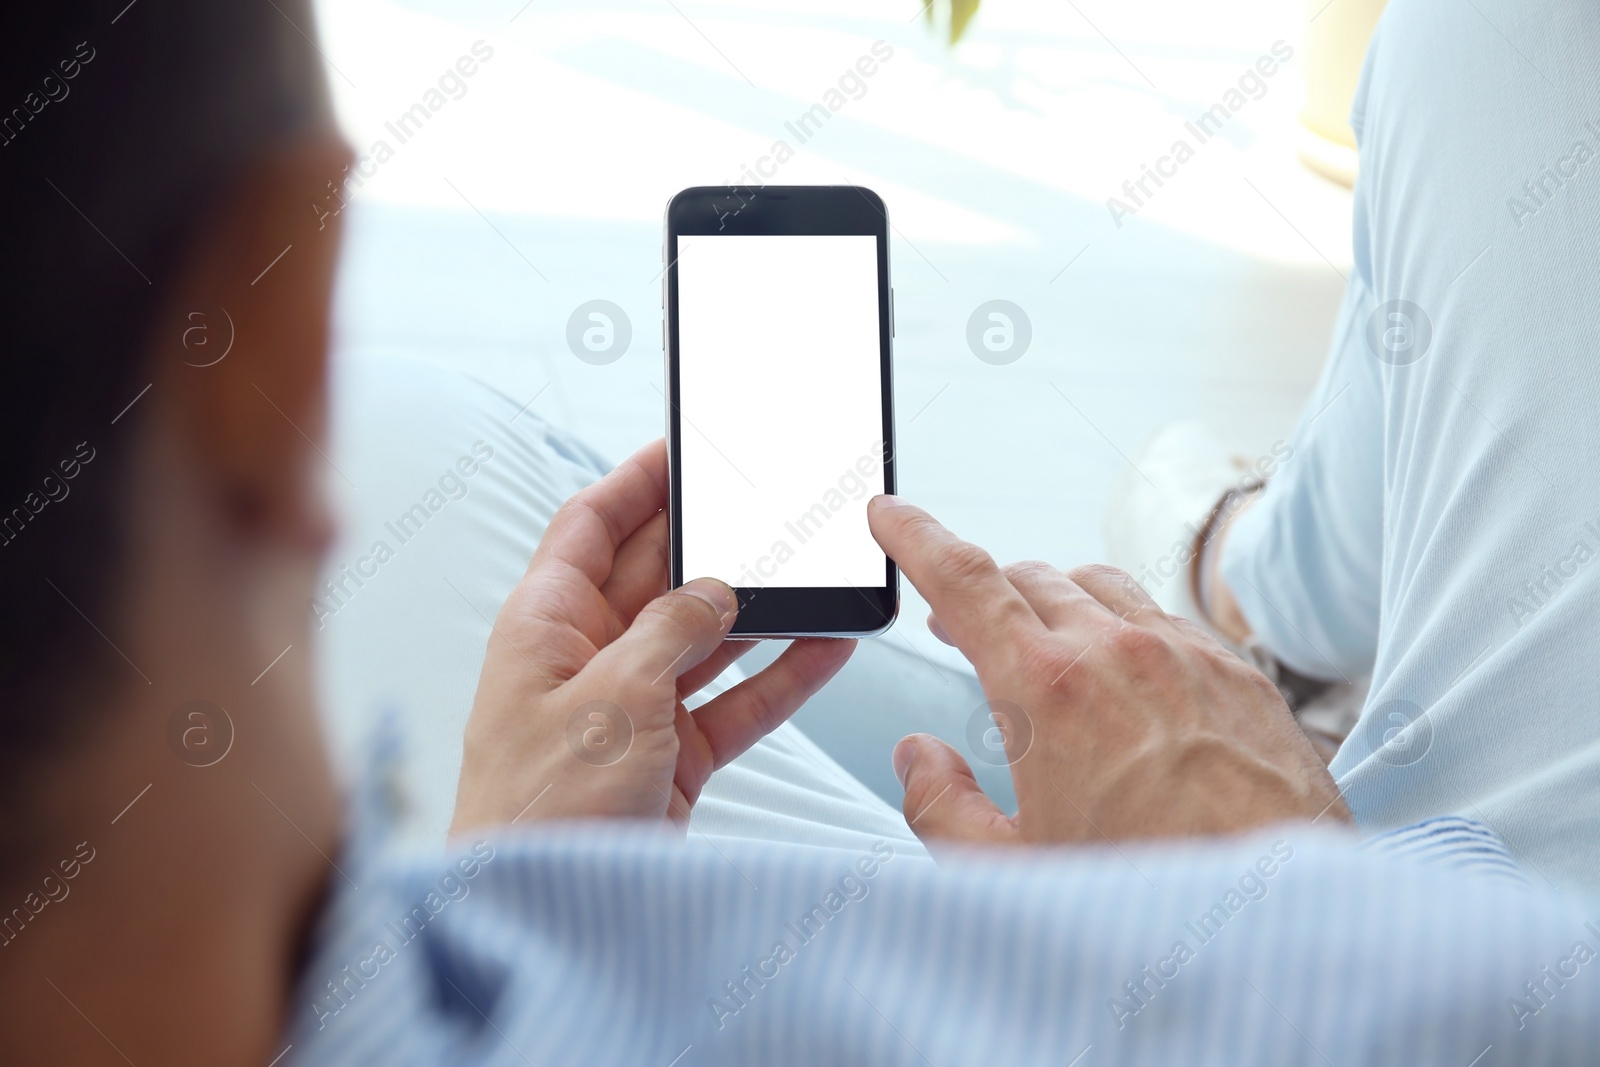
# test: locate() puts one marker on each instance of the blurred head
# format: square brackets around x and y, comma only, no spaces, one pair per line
[160,518]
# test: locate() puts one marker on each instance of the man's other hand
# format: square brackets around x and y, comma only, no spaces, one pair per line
[1119,721]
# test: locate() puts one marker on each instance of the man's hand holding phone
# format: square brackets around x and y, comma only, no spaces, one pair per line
[1120,721]
[579,710]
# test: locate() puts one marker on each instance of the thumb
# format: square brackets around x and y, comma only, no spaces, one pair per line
[669,636]
[944,803]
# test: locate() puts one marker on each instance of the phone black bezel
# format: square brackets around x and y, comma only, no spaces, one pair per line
[781,210]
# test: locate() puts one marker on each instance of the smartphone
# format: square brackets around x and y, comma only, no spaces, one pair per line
[778,331]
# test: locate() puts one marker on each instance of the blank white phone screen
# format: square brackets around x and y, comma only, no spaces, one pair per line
[781,409]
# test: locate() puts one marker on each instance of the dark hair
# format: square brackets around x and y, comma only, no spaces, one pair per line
[120,123]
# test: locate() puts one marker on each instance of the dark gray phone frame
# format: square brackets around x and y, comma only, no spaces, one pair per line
[831,611]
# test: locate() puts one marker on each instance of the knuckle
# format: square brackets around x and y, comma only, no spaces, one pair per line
[1030,568]
[1193,632]
[1097,573]
[569,510]
[681,611]
[1139,644]
[962,561]
[764,710]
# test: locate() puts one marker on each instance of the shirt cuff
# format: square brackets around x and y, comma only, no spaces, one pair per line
[1452,841]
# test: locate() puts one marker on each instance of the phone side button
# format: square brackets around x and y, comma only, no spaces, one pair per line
[663,335]
[891,311]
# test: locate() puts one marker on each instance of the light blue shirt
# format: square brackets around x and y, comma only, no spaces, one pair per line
[612,945]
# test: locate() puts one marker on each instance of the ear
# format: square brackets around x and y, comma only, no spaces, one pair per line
[243,342]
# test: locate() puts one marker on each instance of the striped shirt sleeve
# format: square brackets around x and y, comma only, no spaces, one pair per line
[1455,842]
[613,946]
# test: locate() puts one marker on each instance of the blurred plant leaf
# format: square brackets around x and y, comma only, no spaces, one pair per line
[956,13]
[961,12]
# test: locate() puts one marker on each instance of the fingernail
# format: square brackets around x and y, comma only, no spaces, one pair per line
[904,752]
[886,500]
[713,592]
